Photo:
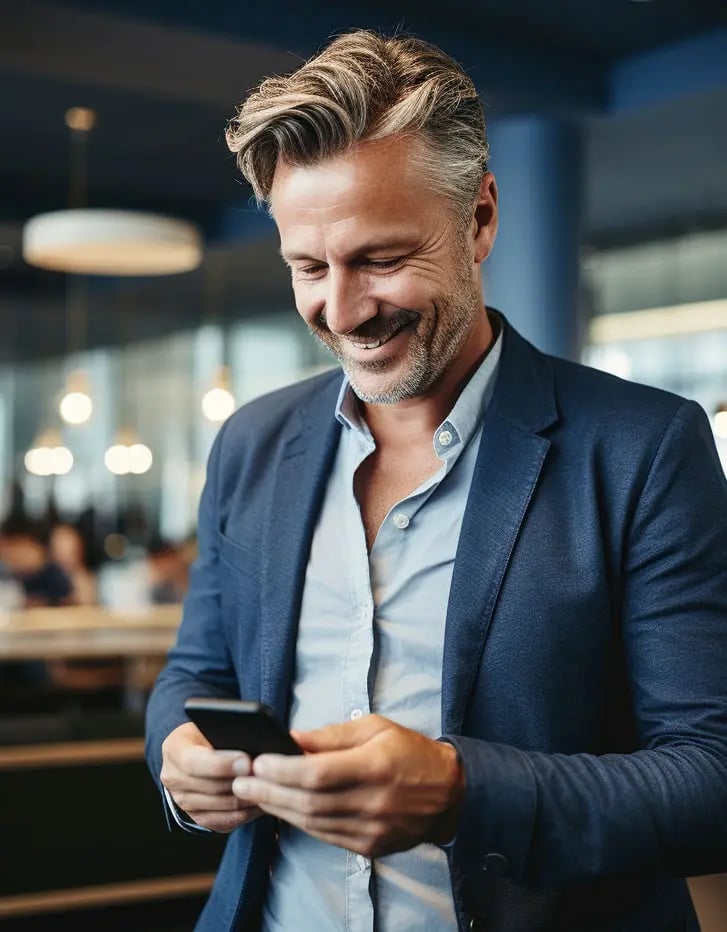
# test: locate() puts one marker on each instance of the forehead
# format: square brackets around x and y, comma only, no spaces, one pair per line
[375,188]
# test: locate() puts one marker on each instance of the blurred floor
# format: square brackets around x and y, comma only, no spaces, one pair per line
[177,915]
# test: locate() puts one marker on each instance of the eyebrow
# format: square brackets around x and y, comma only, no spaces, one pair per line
[381,245]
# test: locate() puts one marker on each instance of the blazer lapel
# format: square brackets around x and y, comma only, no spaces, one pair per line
[300,477]
[508,465]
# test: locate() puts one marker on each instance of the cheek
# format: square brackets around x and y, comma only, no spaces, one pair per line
[307,303]
[406,291]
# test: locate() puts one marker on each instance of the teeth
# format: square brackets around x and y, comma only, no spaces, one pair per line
[375,344]
[366,346]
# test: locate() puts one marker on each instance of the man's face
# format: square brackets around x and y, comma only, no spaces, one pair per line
[383,273]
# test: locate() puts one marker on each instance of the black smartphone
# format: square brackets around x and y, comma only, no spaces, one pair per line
[236,725]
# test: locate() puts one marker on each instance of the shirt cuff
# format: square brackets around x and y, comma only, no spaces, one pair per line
[446,846]
[177,815]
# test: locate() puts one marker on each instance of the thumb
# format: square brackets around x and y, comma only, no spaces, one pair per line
[340,736]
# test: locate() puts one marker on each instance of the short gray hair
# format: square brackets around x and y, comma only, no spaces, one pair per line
[362,87]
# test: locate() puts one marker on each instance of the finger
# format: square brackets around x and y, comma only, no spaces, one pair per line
[341,735]
[326,770]
[177,781]
[254,791]
[197,761]
[349,833]
[358,802]
[226,822]
[199,802]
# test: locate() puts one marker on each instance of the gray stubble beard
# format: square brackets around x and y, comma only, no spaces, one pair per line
[423,370]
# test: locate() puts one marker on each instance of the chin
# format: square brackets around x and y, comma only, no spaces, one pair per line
[382,391]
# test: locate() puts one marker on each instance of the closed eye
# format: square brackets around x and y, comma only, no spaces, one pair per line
[311,271]
[382,263]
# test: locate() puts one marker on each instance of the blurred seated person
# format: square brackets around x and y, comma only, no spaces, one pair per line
[24,553]
[39,582]
[168,573]
[68,550]
[99,681]
[35,685]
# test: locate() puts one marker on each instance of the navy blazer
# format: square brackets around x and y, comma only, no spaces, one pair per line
[584,679]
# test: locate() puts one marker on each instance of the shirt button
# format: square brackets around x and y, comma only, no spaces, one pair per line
[401,520]
[361,862]
[357,713]
[445,437]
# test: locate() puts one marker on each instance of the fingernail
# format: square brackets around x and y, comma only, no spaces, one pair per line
[242,766]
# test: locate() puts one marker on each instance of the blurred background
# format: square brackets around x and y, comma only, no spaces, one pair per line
[142,300]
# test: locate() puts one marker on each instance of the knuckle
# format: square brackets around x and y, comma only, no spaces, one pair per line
[378,769]
[373,805]
[309,804]
[314,778]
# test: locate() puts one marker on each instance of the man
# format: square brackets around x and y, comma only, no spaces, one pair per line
[486,588]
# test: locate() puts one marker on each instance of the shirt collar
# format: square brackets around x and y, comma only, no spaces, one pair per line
[458,427]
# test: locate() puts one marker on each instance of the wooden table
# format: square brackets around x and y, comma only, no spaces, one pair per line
[88,631]
[141,638]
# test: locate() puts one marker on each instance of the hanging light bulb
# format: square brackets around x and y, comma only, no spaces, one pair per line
[128,455]
[48,456]
[140,458]
[219,402]
[116,459]
[76,406]
[38,461]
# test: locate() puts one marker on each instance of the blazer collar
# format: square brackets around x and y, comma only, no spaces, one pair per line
[509,461]
[524,393]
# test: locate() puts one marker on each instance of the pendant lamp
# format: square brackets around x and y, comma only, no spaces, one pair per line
[96,241]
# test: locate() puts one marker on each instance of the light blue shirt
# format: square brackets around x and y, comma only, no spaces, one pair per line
[370,640]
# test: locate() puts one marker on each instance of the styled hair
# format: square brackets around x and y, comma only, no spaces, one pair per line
[363,87]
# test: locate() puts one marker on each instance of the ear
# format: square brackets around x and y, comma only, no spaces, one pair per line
[484,222]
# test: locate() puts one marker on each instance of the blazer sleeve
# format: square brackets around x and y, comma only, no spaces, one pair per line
[199,664]
[562,819]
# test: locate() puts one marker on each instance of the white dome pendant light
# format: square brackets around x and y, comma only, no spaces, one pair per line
[93,241]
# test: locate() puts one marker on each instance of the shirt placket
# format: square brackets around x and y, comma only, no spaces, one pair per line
[359,909]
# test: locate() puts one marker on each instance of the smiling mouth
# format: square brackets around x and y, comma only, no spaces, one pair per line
[375,344]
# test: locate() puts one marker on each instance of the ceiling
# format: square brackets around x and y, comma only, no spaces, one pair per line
[166,75]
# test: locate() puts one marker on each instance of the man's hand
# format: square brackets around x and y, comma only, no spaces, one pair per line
[370,786]
[199,780]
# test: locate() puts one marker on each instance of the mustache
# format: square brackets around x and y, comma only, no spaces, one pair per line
[376,328]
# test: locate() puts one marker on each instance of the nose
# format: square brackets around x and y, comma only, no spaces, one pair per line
[347,302]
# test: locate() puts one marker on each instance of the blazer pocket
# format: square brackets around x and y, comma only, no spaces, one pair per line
[239,597]
[237,557]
